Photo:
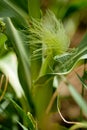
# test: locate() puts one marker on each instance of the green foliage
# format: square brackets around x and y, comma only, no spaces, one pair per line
[3,49]
[76,6]
[42,94]
[83,80]
[28,119]
[82,125]
[32,6]
[3,39]
[22,126]
[2,26]
[72,58]
[17,41]
[39,52]
[77,97]
[10,9]
[65,9]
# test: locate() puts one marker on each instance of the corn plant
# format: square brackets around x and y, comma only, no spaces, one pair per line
[34,49]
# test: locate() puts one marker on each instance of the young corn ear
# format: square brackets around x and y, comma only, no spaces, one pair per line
[50,33]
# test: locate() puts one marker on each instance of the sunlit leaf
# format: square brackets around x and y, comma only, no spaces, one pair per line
[8,65]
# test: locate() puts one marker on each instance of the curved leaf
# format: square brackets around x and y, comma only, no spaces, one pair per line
[66,62]
[79,125]
[17,40]
[18,43]
[8,65]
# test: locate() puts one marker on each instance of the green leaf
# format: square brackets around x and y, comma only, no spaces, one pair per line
[34,8]
[75,6]
[66,62]
[17,39]
[34,12]
[3,39]
[82,81]
[26,117]
[79,125]
[44,79]
[2,26]
[77,97]
[8,8]
[9,66]
[23,4]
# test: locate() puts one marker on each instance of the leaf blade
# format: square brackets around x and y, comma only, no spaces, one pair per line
[65,63]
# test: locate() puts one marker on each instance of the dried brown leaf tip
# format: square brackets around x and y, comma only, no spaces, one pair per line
[3,86]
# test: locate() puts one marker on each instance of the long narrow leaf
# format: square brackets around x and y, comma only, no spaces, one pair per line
[17,40]
[34,12]
[22,126]
[27,118]
[77,97]
[82,81]
[18,44]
